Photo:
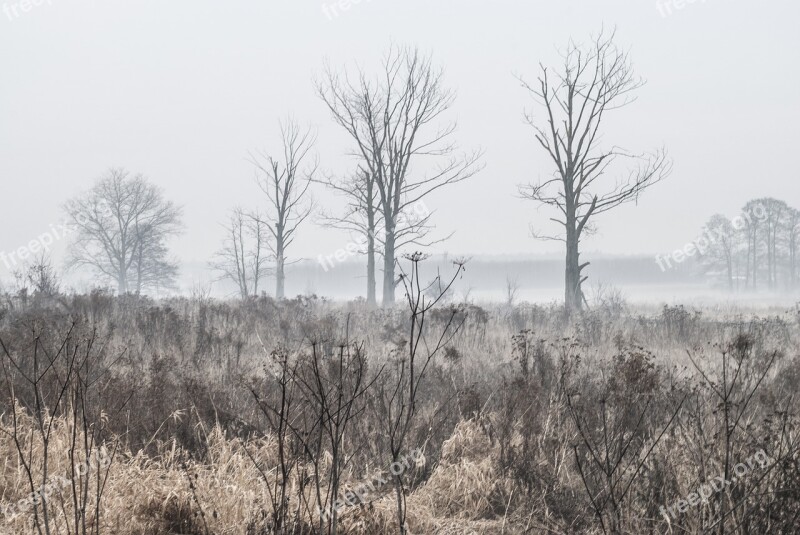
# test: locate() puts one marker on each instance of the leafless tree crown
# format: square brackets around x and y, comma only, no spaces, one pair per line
[285,182]
[394,123]
[123,225]
[575,99]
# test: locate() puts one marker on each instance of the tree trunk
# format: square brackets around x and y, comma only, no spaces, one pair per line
[371,285]
[401,507]
[792,262]
[280,275]
[139,272]
[730,274]
[769,261]
[573,297]
[755,259]
[371,290]
[747,266]
[388,268]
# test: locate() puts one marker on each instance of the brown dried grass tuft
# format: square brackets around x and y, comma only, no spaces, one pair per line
[465,485]
[171,493]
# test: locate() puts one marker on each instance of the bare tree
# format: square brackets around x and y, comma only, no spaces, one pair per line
[398,391]
[361,216]
[722,252]
[751,231]
[792,243]
[152,269]
[392,122]
[592,81]
[243,257]
[774,211]
[38,277]
[285,183]
[123,223]
[512,288]
[48,379]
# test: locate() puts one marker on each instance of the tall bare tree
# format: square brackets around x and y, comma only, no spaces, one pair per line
[123,224]
[392,120]
[243,257]
[591,82]
[285,182]
[360,216]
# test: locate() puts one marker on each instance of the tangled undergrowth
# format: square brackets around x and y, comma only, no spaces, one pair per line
[261,417]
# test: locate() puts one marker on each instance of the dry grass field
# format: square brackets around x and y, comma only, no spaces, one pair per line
[192,416]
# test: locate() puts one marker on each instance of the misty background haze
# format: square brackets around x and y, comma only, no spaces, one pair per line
[399,267]
[182,92]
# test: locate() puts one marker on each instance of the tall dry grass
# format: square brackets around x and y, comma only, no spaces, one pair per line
[514,416]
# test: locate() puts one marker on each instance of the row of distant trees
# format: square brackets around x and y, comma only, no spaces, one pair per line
[395,121]
[756,249]
[403,149]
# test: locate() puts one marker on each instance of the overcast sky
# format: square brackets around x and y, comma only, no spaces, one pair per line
[181,90]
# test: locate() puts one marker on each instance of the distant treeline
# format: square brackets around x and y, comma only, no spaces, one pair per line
[755,250]
[490,274]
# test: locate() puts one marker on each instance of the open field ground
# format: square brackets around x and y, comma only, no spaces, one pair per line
[368,267]
[195,416]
